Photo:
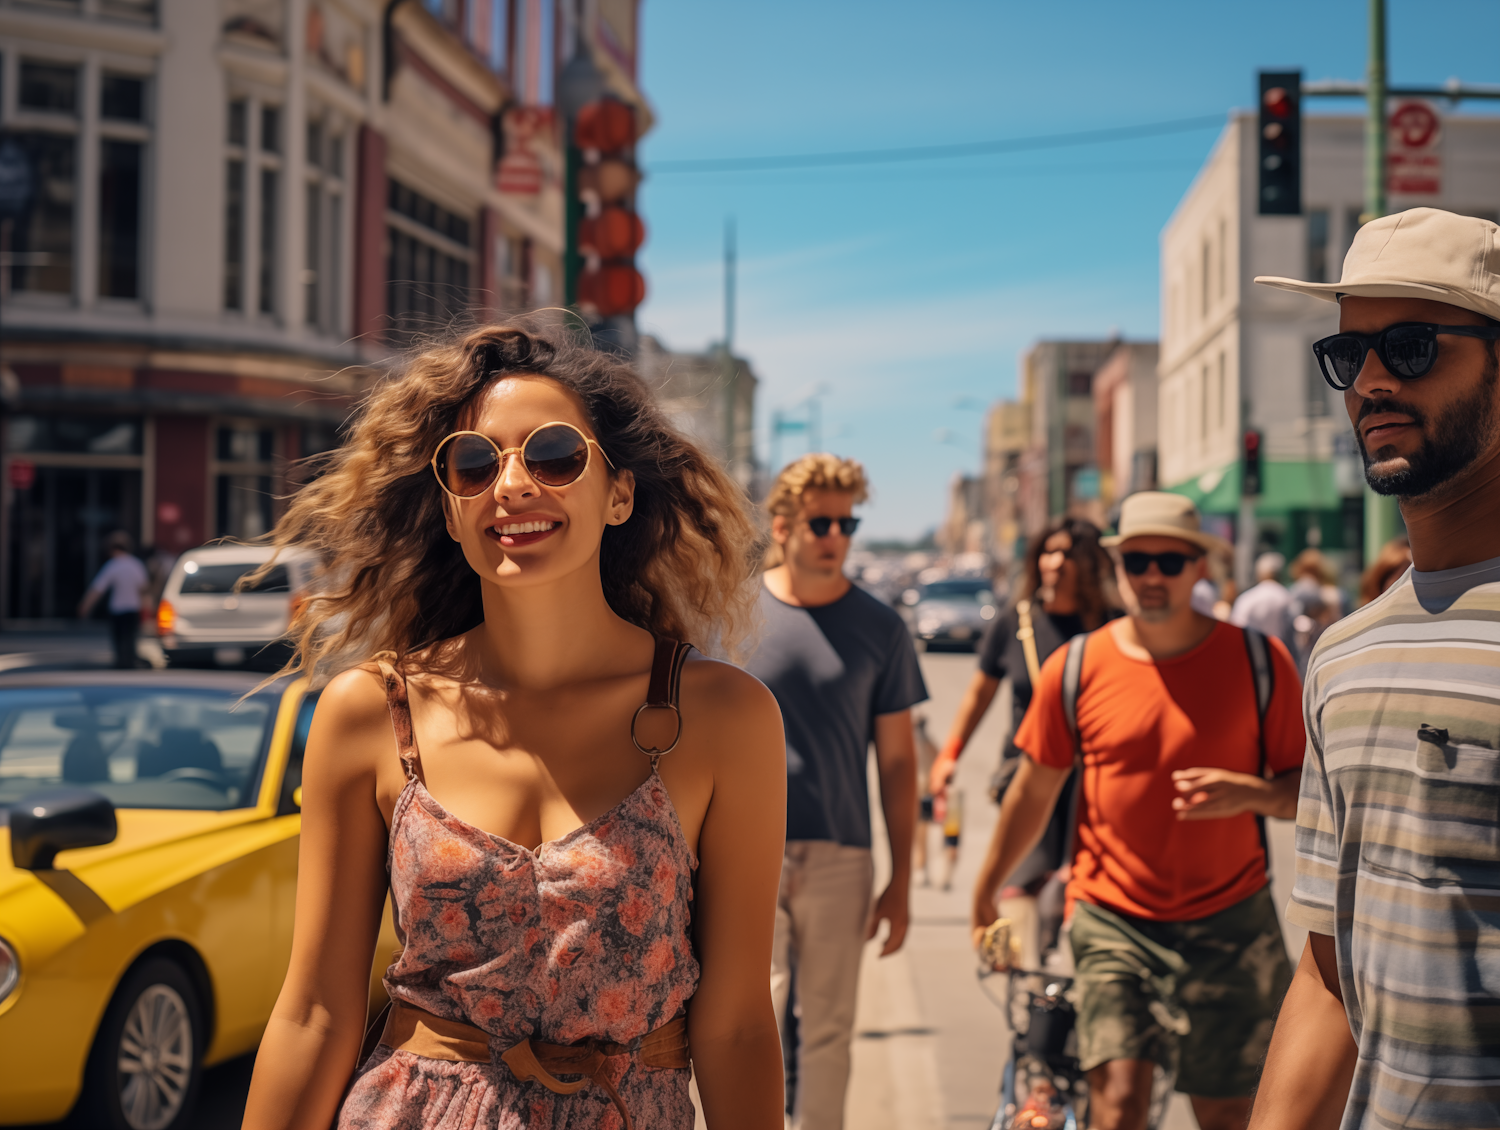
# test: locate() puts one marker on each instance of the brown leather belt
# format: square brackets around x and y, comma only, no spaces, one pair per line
[411,1029]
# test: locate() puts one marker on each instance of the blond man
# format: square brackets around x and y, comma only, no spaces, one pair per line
[844,670]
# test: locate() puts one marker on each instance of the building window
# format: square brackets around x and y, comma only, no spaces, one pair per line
[1203,408]
[244,470]
[49,87]
[234,206]
[1223,397]
[122,98]
[119,219]
[270,188]
[325,222]
[252,207]
[122,150]
[1223,259]
[1317,245]
[430,262]
[1207,256]
[41,238]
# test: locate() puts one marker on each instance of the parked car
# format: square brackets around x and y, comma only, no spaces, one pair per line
[203,622]
[953,613]
[147,879]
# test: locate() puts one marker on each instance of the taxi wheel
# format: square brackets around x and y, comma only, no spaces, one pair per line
[147,1061]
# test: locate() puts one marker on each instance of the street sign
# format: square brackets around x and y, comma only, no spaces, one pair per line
[15,180]
[1086,484]
[22,474]
[1414,161]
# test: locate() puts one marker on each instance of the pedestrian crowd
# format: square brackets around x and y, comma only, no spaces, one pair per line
[589,834]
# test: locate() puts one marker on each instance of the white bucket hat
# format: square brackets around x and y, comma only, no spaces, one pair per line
[1419,253]
[1162,514]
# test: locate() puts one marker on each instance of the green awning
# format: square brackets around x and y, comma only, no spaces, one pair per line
[1304,485]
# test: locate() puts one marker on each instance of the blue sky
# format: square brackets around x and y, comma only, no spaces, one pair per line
[904,293]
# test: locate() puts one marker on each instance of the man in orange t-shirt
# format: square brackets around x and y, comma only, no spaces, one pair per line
[1173,930]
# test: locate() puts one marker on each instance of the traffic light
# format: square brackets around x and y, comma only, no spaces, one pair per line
[609,230]
[1250,481]
[1280,143]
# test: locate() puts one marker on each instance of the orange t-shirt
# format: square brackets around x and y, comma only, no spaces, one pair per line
[1138,721]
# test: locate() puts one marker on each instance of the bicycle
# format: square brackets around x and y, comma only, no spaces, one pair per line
[1043,1087]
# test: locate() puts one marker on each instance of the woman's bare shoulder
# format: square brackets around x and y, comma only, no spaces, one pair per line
[354,715]
[731,696]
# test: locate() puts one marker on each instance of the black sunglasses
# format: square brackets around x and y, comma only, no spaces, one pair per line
[1171,564]
[821,526]
[1407,350]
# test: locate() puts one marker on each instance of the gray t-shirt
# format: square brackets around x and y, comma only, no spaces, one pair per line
[1398,850]
[832,670]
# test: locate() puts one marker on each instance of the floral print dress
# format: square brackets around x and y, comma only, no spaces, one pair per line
[587,936]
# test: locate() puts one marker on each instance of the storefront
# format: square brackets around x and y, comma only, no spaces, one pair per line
[90,449]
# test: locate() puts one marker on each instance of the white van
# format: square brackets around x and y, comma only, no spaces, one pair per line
[202,621]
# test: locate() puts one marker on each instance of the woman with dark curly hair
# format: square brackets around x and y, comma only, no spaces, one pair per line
[579,825]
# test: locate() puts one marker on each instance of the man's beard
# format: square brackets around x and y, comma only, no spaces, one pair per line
[1457,437]
[1159,613]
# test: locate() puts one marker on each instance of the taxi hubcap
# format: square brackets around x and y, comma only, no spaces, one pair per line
[156,1058]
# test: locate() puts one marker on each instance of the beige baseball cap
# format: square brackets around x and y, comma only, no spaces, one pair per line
[1419,253]
[1162,514]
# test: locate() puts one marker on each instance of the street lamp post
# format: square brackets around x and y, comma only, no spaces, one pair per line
[1382,516]
[578,83]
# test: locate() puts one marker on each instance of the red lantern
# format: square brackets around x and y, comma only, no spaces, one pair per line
[613,234]
[615,288]
[606,125]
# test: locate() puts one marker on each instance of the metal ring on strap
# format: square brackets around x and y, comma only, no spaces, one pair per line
[653,751]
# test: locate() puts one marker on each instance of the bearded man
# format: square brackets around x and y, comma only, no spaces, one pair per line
[1393,1017]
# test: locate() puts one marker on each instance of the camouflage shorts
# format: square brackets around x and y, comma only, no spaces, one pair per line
[1143,986]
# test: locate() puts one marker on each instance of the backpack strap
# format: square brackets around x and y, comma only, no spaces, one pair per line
[662,692]
[1071,678]
[1264,675]
[1027,635]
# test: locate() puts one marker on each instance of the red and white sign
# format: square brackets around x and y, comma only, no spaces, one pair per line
[1414,156]
[521,171]
[22,473]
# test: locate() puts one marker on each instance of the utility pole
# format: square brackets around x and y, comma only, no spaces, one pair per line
[1382,515]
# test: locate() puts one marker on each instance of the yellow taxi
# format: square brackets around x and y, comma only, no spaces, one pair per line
[148,872]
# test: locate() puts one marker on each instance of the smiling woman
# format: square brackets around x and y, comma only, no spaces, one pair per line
[580,829]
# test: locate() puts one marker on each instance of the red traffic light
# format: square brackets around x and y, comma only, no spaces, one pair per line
[1252,443]
[606,125]
[613,234]
[614,288]
[1278,102]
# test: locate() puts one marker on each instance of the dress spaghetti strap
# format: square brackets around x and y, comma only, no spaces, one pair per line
[400,707]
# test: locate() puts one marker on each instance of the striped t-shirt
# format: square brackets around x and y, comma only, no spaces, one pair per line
[1398,844]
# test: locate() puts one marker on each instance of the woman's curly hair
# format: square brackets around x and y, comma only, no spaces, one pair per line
[391,578]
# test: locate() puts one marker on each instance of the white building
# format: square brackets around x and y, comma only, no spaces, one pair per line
[1236,356]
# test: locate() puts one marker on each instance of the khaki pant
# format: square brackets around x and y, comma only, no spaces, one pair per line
[822,911]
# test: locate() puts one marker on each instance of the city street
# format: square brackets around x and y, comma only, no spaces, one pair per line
[929,1044]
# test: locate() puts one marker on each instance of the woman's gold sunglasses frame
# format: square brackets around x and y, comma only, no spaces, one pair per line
[502,452]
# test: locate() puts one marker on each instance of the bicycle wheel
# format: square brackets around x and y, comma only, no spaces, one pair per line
[1037,1096]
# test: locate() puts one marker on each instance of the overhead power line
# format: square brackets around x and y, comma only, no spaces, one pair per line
[937,152]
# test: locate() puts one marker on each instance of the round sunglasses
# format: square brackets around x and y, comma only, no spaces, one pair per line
[1408,350]
[555,454]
